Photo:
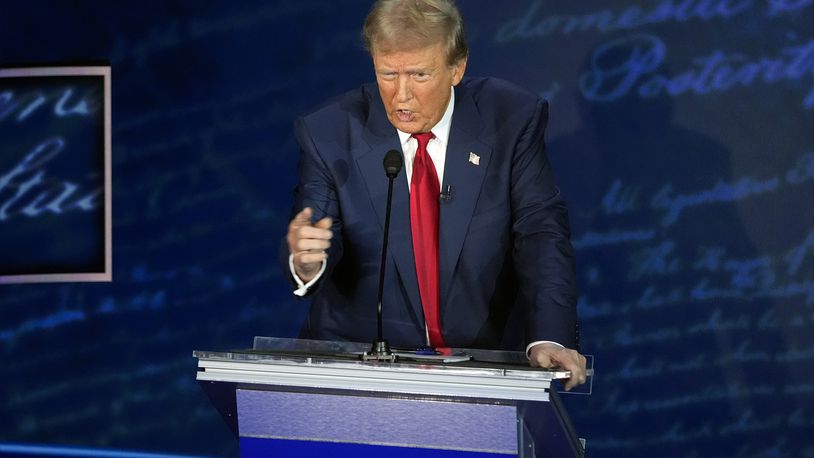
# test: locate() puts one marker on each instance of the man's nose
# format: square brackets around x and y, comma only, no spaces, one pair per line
[403,92]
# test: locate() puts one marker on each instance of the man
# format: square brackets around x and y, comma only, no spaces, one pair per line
[489,263]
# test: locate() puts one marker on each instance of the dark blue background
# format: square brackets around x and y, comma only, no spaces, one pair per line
[682,134]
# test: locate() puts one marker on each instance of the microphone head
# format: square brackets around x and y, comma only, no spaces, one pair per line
[393,163]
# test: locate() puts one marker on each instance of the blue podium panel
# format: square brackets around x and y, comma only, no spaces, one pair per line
[281,448]
[278,423]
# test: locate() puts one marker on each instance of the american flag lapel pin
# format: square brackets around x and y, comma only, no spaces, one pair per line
[474,159]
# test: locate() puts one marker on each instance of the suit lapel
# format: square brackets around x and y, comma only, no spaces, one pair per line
[381,137]
[467,160]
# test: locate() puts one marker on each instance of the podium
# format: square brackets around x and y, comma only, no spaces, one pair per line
[306,398]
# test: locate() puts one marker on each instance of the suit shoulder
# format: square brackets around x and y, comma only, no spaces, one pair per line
[339,122]
[503,107]
[354,104]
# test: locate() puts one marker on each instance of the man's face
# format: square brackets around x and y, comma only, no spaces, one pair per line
[415,86]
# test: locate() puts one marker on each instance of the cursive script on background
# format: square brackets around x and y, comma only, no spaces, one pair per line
[27,189]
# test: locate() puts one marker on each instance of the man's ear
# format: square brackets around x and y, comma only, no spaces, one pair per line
[458,71]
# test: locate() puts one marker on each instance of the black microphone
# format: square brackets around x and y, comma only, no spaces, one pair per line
[392,166]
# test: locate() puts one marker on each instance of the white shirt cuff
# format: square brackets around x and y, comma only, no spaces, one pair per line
[538,342]
[303,288]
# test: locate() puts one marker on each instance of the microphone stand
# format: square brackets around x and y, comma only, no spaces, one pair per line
[380,350]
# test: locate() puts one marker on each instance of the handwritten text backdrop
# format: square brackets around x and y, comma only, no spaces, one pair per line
[681,135]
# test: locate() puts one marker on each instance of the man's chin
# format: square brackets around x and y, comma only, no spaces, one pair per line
[410,127]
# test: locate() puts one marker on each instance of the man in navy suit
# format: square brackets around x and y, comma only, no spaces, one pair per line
[496,257]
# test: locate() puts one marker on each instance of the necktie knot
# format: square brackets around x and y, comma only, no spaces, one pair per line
[423,139]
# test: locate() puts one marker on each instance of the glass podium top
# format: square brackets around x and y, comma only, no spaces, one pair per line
[328,365]
[275,350]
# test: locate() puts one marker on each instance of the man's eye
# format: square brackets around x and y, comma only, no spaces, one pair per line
[421,76]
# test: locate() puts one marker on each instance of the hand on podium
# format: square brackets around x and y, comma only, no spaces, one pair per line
[549,355]
[307,243]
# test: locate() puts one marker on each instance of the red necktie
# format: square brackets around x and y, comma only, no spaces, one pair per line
[424,191]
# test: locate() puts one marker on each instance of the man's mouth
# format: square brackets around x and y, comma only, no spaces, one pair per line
[405,115]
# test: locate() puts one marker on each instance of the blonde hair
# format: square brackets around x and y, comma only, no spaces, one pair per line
[395,25]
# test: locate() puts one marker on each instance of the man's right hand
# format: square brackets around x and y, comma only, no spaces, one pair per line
[307,243]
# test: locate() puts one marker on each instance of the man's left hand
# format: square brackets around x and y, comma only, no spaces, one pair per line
[548,355]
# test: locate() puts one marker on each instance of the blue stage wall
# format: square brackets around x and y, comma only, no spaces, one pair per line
[682,135]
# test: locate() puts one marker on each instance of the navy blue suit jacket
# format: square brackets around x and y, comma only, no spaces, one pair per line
[506,264]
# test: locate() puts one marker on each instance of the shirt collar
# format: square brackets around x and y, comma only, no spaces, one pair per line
[440,130]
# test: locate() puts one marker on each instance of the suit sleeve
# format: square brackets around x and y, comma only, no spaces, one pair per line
[316,188]
[542,252]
